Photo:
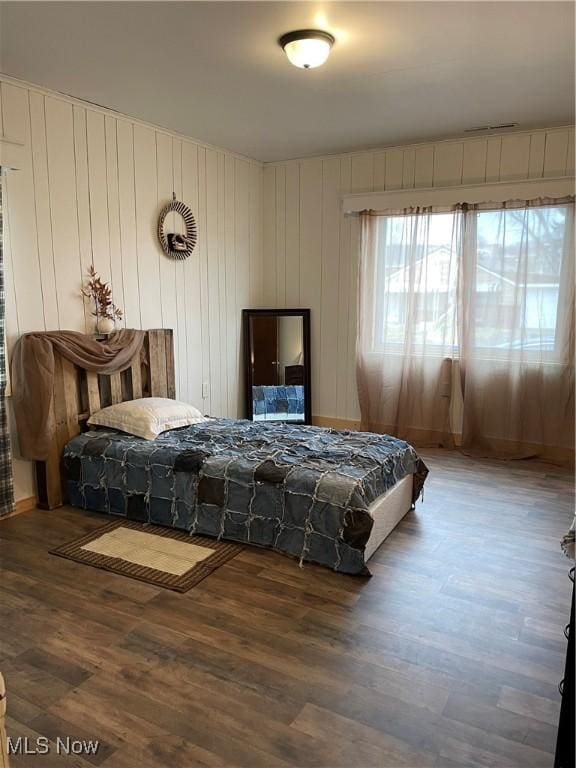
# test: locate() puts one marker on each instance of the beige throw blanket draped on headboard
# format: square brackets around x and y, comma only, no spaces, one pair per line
[32,372]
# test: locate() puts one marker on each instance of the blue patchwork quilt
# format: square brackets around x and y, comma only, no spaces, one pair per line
[301,490]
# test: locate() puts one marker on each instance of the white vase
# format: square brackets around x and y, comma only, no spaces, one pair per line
[105,325]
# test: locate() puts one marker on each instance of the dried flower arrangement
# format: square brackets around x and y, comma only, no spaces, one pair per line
[99,291]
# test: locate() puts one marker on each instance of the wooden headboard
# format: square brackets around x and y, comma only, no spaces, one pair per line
[78,394]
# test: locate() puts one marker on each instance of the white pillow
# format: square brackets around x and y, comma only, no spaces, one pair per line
[147,417]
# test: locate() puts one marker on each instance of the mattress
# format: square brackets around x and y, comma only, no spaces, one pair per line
[301,490]
[386,512]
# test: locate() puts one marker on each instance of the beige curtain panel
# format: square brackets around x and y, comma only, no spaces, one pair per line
[466,326]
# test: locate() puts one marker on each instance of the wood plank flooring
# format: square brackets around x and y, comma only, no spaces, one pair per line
[450,655]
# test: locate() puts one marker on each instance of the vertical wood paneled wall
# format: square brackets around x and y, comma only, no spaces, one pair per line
[311,249]
[90,189]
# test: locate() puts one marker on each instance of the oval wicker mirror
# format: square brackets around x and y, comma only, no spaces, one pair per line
[175,245]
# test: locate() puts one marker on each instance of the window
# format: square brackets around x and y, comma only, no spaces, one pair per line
[519,254]
[492,277]
[417,278]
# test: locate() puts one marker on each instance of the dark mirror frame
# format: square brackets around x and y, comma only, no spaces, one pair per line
[247,314]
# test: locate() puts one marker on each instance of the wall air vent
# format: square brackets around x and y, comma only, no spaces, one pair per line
[481,128]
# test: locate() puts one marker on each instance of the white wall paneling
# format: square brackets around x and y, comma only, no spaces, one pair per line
[68,269]
[448,164]
[329,278]
[21,220]
[307,239]
[570,160]
[113,210]
[192,282]
[127,216]
[96,150]
[83,208]
[536,161]
[89,189]
[393,169]
[493,158]
[345,289]
[515,157]
[311,206]
[293,235]
[231,327]
[556,152]
[243,272]
[42,211]
[473,162]
[256,232]
[269,276]
[212,279]
[363,172]
[280,178]
[424,167]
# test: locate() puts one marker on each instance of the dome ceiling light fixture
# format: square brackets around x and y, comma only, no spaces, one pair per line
[307,48]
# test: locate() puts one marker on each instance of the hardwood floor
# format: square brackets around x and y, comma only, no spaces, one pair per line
[449,656]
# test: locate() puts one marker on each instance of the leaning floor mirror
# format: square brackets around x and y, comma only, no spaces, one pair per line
[277,365]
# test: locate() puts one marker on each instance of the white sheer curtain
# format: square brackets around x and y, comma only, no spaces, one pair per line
[408,321]
[466,326]
[517,341]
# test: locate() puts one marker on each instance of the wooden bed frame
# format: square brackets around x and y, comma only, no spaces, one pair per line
[79,393]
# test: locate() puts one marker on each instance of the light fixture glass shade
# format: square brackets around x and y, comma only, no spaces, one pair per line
[307,54]
[307,48]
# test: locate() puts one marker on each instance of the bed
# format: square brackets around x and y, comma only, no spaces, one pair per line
[315,494]
[319,495]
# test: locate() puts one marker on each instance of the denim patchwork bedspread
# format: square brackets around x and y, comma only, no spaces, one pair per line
[301,490]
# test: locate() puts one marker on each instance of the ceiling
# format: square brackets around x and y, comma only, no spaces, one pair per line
[399,72]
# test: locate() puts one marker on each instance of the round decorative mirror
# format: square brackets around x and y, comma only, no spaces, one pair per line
[173,244]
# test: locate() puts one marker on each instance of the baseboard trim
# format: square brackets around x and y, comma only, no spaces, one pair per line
[334,423]
[26,505]
[20,506]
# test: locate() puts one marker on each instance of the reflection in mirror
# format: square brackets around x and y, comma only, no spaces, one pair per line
[276,356]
